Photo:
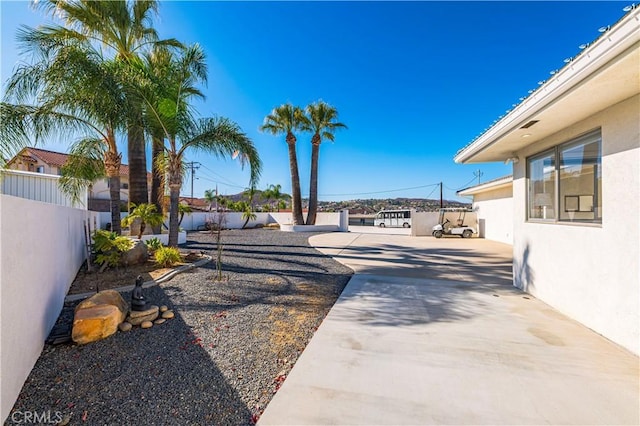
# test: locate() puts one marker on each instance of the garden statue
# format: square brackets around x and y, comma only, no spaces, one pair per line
[138,301]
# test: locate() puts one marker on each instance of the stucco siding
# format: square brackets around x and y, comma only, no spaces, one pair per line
[590,272]
[495,214]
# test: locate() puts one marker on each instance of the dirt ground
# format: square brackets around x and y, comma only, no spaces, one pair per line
[87,282]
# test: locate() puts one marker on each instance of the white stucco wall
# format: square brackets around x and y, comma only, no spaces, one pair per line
[233,220]
[590,272]
[41,250]
[422,223]
[495,214]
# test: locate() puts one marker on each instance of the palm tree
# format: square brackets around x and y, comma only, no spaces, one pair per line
[166,102]
[273,193]
[210,197]
[322,121]
[247,215]
[147,214]
[182,210]
[287,119]
[63,85]
[123,27]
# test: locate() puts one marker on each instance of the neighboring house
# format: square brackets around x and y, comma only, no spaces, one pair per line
[196,204]
[493,202]
[575,148]
[51,162]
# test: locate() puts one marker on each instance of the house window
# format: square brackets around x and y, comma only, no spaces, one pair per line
[40,169]
[542,186]
[573,171]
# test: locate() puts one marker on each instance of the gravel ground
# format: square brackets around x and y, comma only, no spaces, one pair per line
[219,361]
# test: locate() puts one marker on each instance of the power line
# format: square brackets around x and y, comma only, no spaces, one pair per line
[432,191]
[219,175]
[379,192]
[222,183]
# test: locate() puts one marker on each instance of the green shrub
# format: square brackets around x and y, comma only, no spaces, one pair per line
[167,256]
[108,247]
[153,244]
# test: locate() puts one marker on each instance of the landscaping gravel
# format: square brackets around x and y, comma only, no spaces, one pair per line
[219,361]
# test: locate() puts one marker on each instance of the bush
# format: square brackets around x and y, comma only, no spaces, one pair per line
[108,247]
[167,256]
[153,244]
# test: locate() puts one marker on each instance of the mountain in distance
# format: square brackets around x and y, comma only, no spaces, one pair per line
[360,206]
[372,206]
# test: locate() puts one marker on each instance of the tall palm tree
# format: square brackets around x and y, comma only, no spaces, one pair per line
[287,119]
[63,85]
[166,102]
[124,28]
[323,122]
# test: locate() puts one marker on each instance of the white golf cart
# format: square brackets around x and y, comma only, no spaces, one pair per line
[452,222]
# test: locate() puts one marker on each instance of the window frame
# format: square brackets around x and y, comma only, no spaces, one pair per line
[555,151]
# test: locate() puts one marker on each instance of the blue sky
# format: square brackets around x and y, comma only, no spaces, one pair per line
[414,81]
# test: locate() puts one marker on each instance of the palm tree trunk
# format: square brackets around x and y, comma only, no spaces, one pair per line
[156,181]
[295,183]
[174,198]
[112,167]
[313,184]
[114,195]
[138,188]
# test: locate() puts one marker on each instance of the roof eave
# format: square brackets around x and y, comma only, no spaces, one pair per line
[620,39]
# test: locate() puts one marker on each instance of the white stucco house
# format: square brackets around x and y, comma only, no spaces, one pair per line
[575,148]
[493,203]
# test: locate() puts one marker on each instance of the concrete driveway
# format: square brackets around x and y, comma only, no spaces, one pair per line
[431,332]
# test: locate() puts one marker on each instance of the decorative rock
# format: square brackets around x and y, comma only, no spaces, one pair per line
[163,308]
[105,297]
[98,317]
[95,323]
[137,254]
[159,321]
[167,315]
[125,326]
[146,324]
[138,317]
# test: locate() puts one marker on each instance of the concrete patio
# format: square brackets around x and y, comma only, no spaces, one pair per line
[431,332]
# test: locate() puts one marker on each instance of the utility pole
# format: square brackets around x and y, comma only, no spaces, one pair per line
[194,165]
[478,174]
[441,204]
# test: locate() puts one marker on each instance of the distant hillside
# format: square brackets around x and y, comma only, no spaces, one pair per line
[371,206]
[366,206]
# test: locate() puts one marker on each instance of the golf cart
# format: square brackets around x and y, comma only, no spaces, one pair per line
[452,222]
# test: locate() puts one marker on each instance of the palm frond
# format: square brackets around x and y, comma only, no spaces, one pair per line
[221,137]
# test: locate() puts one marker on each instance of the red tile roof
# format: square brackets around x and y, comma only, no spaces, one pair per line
[57,159]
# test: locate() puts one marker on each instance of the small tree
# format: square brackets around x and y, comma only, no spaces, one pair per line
[210,197]
[216,229]
[248,215]
[147,214]
[182,209]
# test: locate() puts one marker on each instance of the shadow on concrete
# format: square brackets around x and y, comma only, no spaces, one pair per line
[524,276]
[433,263]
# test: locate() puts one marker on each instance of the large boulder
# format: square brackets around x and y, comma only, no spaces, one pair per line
[98,317]
[137,254]
[105,297]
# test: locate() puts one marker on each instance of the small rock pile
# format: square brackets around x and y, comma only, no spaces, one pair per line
[147,318]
